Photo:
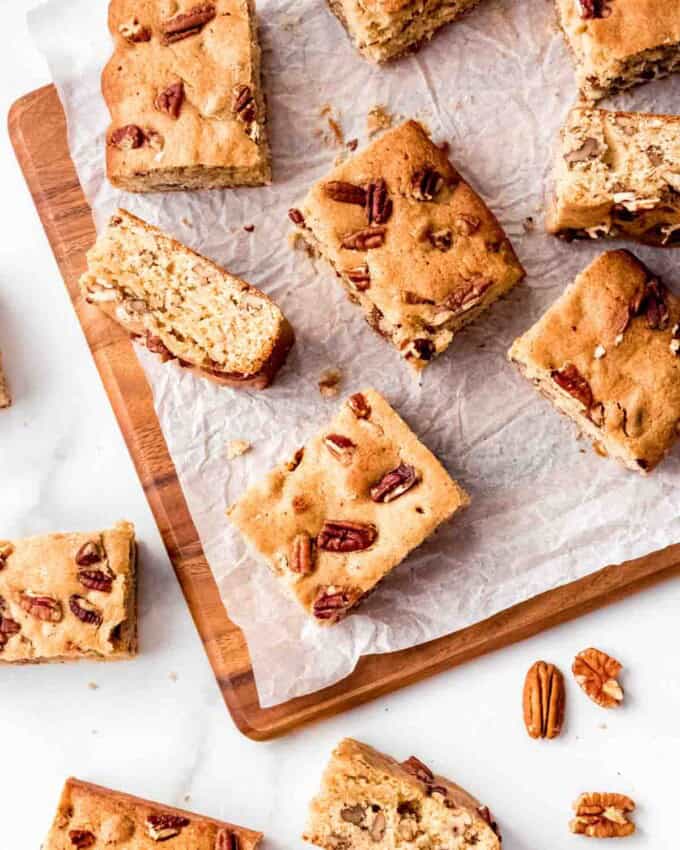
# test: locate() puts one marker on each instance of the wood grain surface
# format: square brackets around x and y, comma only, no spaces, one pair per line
[38,131]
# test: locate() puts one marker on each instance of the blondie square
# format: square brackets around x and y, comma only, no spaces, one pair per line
[607,355]
[384,29]
[69,596]
[412,243]
[183,89]
[617,174]
[620,43]
[92,816]
[347,508]
[369,800]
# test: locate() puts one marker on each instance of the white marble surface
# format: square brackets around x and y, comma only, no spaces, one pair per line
[64,466]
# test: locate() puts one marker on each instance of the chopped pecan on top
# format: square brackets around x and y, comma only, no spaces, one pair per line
[572,381]
[187,23]
[341,447]
[651,301]
[244,104]
[82,838]
[603,815]
[464,298]
[346,536]
[96,580]
[128,137]
[345,193]
[364,239]
[165,825]
[226,839]
[88,554]
[543,700]
[134,32]
[332,603]
[353,814]
[441,239]
[359,406]
[84,610]
[170,99]
[395,483]
[6,549]
[41,607]
[421,771]
[425,183]
[359,277]
[596,673]
[302,554]
[594,9]
[378,202]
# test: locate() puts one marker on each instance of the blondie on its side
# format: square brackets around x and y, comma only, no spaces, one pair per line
[5,397]
[617,174]
[607,355]
[183,89]
[69,596]
[412,243]
[347,508]
[92,816]
[368,800]
[384,29]
[620,43]
[184,307]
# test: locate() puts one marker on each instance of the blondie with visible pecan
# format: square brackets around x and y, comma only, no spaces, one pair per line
[412,243]
[620,43]
[369,800]
[347,508]
[183,89]
[607,354]
[92,816]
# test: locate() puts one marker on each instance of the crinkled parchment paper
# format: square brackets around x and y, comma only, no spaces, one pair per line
[545,510]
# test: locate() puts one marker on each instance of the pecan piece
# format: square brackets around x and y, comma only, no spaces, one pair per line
[589,150]
[127,138]
[170,100]
[84,610]
[341,447]
[134,32]
[41,607]
[651,302]
[302,554]
[591,9]
[395,483]
[165,825]
[467,297]
[596,673]
[333,603]
[296,216]
[425,184]
[416,768]
[244,105]
[8,628]
[96,580]
[603,815]
[81,838]
[226,839]
[187,23]
[359,406]
[88,554]
[346,536]
[573,382]
[378,827]
[345,193]
[378,203]
[353,814]
[6,549]
[359,276]
[364,239]
[543,701]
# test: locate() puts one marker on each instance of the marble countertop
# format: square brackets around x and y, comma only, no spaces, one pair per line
[158,727]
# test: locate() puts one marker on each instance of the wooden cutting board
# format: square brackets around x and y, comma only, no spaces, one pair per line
[38,131]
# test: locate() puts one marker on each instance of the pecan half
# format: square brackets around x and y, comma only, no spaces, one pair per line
[333,603]
[41,607]
[603,815]
[84,610]
[187,23]
[378,203]
[353,814]
[81,838]
[127,138]
[165,825]
[359,406]
[96,580]
[134,32]
[464,298]
[364,239]
[341,447]
[6,549]
[395,483]
[596,673]
[226,839]
[170,100]
[345,193]
[416,768]
[346,536]
[573,382]
[302,554]
[543,700]
[425,183]
[359,277]
[88,554]
[244,105]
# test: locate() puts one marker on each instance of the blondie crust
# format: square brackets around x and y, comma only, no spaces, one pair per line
[5,398]
[184,307]
[620,43]
[617,174]
[384,29]
[337,518]
[69,596]
[184,92]
[412,243]
[369,800]
[607,355]
[92,816]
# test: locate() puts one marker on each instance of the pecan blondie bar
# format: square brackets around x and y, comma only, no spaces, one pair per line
[92,816]
[5,398]
[412,243]
[618,174]
[607,354]
[183,89]
[184,307]
[349,506]
[384,29]
[69,596]
[369,800]
[620,43]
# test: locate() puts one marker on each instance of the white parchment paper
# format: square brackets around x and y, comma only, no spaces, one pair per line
[545,509]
